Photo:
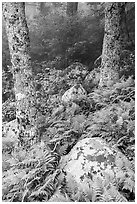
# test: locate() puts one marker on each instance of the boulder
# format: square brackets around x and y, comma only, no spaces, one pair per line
[98,172]
[72,109]
[8,144]
[10,133]
[57,111]
[75,93]
[10,129]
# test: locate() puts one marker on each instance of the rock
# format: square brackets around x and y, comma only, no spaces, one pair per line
[10,136]
[10,129]
[8,144]
[58,111]
[100,172]
[75,93]
[72,109]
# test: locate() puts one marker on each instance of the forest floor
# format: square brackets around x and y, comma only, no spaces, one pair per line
[108,113]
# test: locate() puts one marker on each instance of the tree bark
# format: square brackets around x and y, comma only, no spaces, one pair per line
[42,8]
[72,8]
[19,46]
[112,44]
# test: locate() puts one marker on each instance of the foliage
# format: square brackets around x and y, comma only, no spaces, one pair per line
[34,178]
[28,175]
[128,64]
[64,39]
[114,117]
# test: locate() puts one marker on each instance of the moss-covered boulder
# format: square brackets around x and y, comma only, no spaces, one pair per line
[97,172]
[74,94]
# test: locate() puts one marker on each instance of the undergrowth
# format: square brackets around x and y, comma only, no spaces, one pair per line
[114,116]
[32,174]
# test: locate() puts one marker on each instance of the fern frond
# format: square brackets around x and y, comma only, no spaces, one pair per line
[119,198]
[46,190]
[115,195]
[52,158]
[33,183]
[25,195]
[39,196]
[28,163]
[58,122]
[97,190]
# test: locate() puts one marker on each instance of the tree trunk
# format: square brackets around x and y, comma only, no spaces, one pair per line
[72,8]
[42,8]
[112,45]
[19,46]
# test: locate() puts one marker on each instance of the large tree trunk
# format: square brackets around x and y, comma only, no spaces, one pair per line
[72,8]
[19,46]
[112,45]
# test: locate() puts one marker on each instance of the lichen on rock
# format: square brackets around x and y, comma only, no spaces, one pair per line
[75,93]
[93,165]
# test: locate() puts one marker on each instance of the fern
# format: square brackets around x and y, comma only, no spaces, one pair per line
[31,174]
[108,113]
[28,163]
[38,196]
[45,191]
[97,190]
[115,195]
[114,116]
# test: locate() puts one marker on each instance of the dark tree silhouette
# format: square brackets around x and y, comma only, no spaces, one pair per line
[72,8]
